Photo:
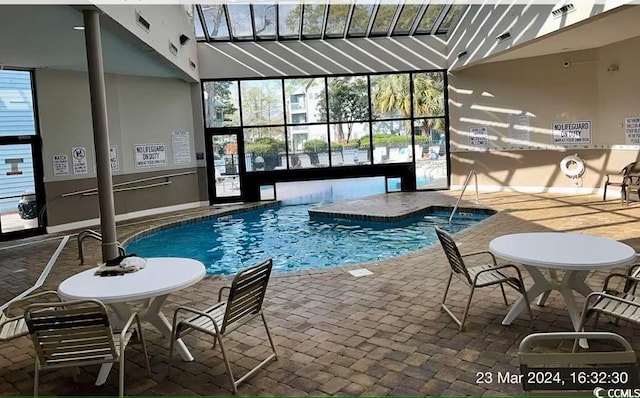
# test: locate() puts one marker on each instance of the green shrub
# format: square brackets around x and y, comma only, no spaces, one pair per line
[391,140]
[351,145]
[263,146]
[338,146]
[316,145]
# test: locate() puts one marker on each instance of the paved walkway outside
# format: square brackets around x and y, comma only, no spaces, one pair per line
[336,334]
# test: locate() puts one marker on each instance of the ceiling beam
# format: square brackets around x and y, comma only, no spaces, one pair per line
[418,19]
[372,19]
[352,9]
[200,14]
[395,18]
[438,21]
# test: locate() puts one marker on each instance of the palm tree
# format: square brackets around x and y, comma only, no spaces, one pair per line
[428,100]
[391,97]
[428,94]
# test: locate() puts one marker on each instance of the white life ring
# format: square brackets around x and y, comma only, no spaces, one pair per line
[572,166]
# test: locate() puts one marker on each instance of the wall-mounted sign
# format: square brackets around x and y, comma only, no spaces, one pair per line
[79,155]
[181,147]
[60,165]
[113,158]
[150,155]
[519,129]
[571,132]
[632,130]
[479,136]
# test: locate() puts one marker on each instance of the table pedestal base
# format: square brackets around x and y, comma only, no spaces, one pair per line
[542,286]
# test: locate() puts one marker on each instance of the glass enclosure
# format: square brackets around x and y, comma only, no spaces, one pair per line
[312,20]
[337,121]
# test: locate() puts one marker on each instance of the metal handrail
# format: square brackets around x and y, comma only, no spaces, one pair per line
[464,187]
[159,184]
[89,233]
[64,195]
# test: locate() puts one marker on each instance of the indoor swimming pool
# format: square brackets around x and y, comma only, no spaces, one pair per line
[294,240]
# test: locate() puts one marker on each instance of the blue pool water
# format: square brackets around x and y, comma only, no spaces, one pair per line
[295,241]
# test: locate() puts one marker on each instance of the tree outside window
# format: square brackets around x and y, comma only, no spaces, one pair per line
[348,103]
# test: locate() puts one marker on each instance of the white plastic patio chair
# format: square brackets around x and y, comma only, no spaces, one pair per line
[244,302]
[78,333]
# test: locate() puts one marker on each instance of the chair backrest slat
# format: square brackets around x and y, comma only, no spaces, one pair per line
[247,292]
[240,310]
[453,254]
[67,322]
[82,335]
[76,331]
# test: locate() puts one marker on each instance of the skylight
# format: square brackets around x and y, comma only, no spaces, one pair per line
[314,20]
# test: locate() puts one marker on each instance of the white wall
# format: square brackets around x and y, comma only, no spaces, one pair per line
[140,110]
[168,22]
[320,57]
[486,94]
[618,92]
[548,91]
[541,87]
[477,31]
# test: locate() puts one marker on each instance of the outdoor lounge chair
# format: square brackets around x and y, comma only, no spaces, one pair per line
[244,302]
[477,277]
[620,179]
[612,364]
[78,333]
[12,324]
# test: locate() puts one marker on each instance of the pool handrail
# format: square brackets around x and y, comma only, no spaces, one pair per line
[89,233]
[464,187]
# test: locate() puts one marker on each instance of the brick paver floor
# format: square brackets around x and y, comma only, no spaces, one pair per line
[336,334]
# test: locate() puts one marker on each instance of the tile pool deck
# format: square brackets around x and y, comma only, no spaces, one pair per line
[336,334]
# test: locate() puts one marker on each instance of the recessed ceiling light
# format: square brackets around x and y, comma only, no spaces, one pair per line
[78,28]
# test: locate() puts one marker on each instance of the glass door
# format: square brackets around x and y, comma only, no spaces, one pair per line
[20,207]
[21,182]
[224,163]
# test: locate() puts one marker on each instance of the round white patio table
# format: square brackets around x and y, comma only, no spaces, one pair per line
[124,294]
[575,254]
